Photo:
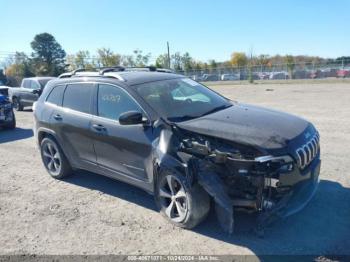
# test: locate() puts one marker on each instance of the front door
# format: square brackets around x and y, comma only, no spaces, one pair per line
[121,150]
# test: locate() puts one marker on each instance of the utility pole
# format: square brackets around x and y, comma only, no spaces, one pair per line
[167,43]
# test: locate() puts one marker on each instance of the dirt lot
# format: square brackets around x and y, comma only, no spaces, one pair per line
[90,214]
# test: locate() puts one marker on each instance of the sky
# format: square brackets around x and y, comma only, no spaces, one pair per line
[206,29]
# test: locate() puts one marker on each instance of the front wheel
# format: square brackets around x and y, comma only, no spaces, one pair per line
[17,104]
[183,205]
[53,159]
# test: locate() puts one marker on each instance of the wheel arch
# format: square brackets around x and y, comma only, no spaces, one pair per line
[43,132]
[170,163]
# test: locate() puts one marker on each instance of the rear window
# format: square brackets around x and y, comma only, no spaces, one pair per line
[56,95]
[78,97]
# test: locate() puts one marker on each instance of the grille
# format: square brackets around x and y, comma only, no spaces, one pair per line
[308,151]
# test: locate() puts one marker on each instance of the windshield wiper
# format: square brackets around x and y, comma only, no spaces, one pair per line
[216,109]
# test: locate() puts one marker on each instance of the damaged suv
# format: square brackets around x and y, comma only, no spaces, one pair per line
[180,141]
[7,117]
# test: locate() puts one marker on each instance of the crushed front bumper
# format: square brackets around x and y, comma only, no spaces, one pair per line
[298,197]
[6,116]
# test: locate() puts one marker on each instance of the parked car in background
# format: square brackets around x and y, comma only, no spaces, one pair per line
[209,77]
[230,77]
[279,75]
[7,117]
[28,92]
[264,75]
[343,73]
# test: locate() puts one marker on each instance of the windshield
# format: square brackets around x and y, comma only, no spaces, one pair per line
[181,99]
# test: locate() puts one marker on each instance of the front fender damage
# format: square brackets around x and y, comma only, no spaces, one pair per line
[234,178]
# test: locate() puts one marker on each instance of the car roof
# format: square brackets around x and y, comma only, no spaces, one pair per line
[129,78]
[39,78]
[136,78]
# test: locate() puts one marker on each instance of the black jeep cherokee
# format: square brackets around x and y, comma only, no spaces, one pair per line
[180,141]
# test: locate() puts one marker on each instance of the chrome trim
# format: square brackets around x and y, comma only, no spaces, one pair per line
[134,167]
[307,152]
[285,158]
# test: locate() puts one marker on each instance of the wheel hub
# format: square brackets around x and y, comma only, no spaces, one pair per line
[173,198]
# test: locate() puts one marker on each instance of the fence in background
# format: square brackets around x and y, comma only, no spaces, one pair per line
[264,72]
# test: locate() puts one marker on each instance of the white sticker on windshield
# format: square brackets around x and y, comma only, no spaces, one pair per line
[190,81]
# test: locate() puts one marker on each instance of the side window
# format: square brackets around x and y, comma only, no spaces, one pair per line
[34,85]
[56,95]
[78,97]
[113,101]
[26,84]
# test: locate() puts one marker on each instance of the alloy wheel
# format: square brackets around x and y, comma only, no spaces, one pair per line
[52,158]
[173,198]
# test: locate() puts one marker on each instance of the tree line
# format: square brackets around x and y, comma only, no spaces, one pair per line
[49,59]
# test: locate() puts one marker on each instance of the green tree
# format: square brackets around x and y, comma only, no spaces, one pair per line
[289,60]
[83,60]
[107,58]
[187,62]
[177,61]
[128,60]
[213,65]
[48,56]
[263,60]
[19,66]
[239,59]
[141,59]
[162,61]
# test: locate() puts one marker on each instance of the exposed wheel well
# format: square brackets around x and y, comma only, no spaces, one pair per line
[44,134]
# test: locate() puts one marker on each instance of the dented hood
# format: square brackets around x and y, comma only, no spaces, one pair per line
[249,125]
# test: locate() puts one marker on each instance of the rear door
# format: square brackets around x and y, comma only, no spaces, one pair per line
[121,150]
[72,123]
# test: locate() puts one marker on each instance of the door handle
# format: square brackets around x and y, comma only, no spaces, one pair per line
[57,117]
[98,127]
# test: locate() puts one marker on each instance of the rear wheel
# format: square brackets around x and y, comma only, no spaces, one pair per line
[54,160]
[181,204]
[17,104]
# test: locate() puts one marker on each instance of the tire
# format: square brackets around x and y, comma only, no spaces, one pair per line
[54,159]
[17,104]
[187,210]
[12,125]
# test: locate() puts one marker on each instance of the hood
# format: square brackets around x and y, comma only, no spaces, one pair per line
[249,125]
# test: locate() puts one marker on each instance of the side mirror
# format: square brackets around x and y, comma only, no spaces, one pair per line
[131,118]
[36,91]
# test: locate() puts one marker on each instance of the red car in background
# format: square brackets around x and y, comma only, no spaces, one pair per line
[343,73]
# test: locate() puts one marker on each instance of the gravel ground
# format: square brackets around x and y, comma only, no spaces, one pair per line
[90,214]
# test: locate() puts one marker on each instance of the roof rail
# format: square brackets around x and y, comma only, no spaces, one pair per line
[150,68]
[103,70]
[70,74]
[111,69]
